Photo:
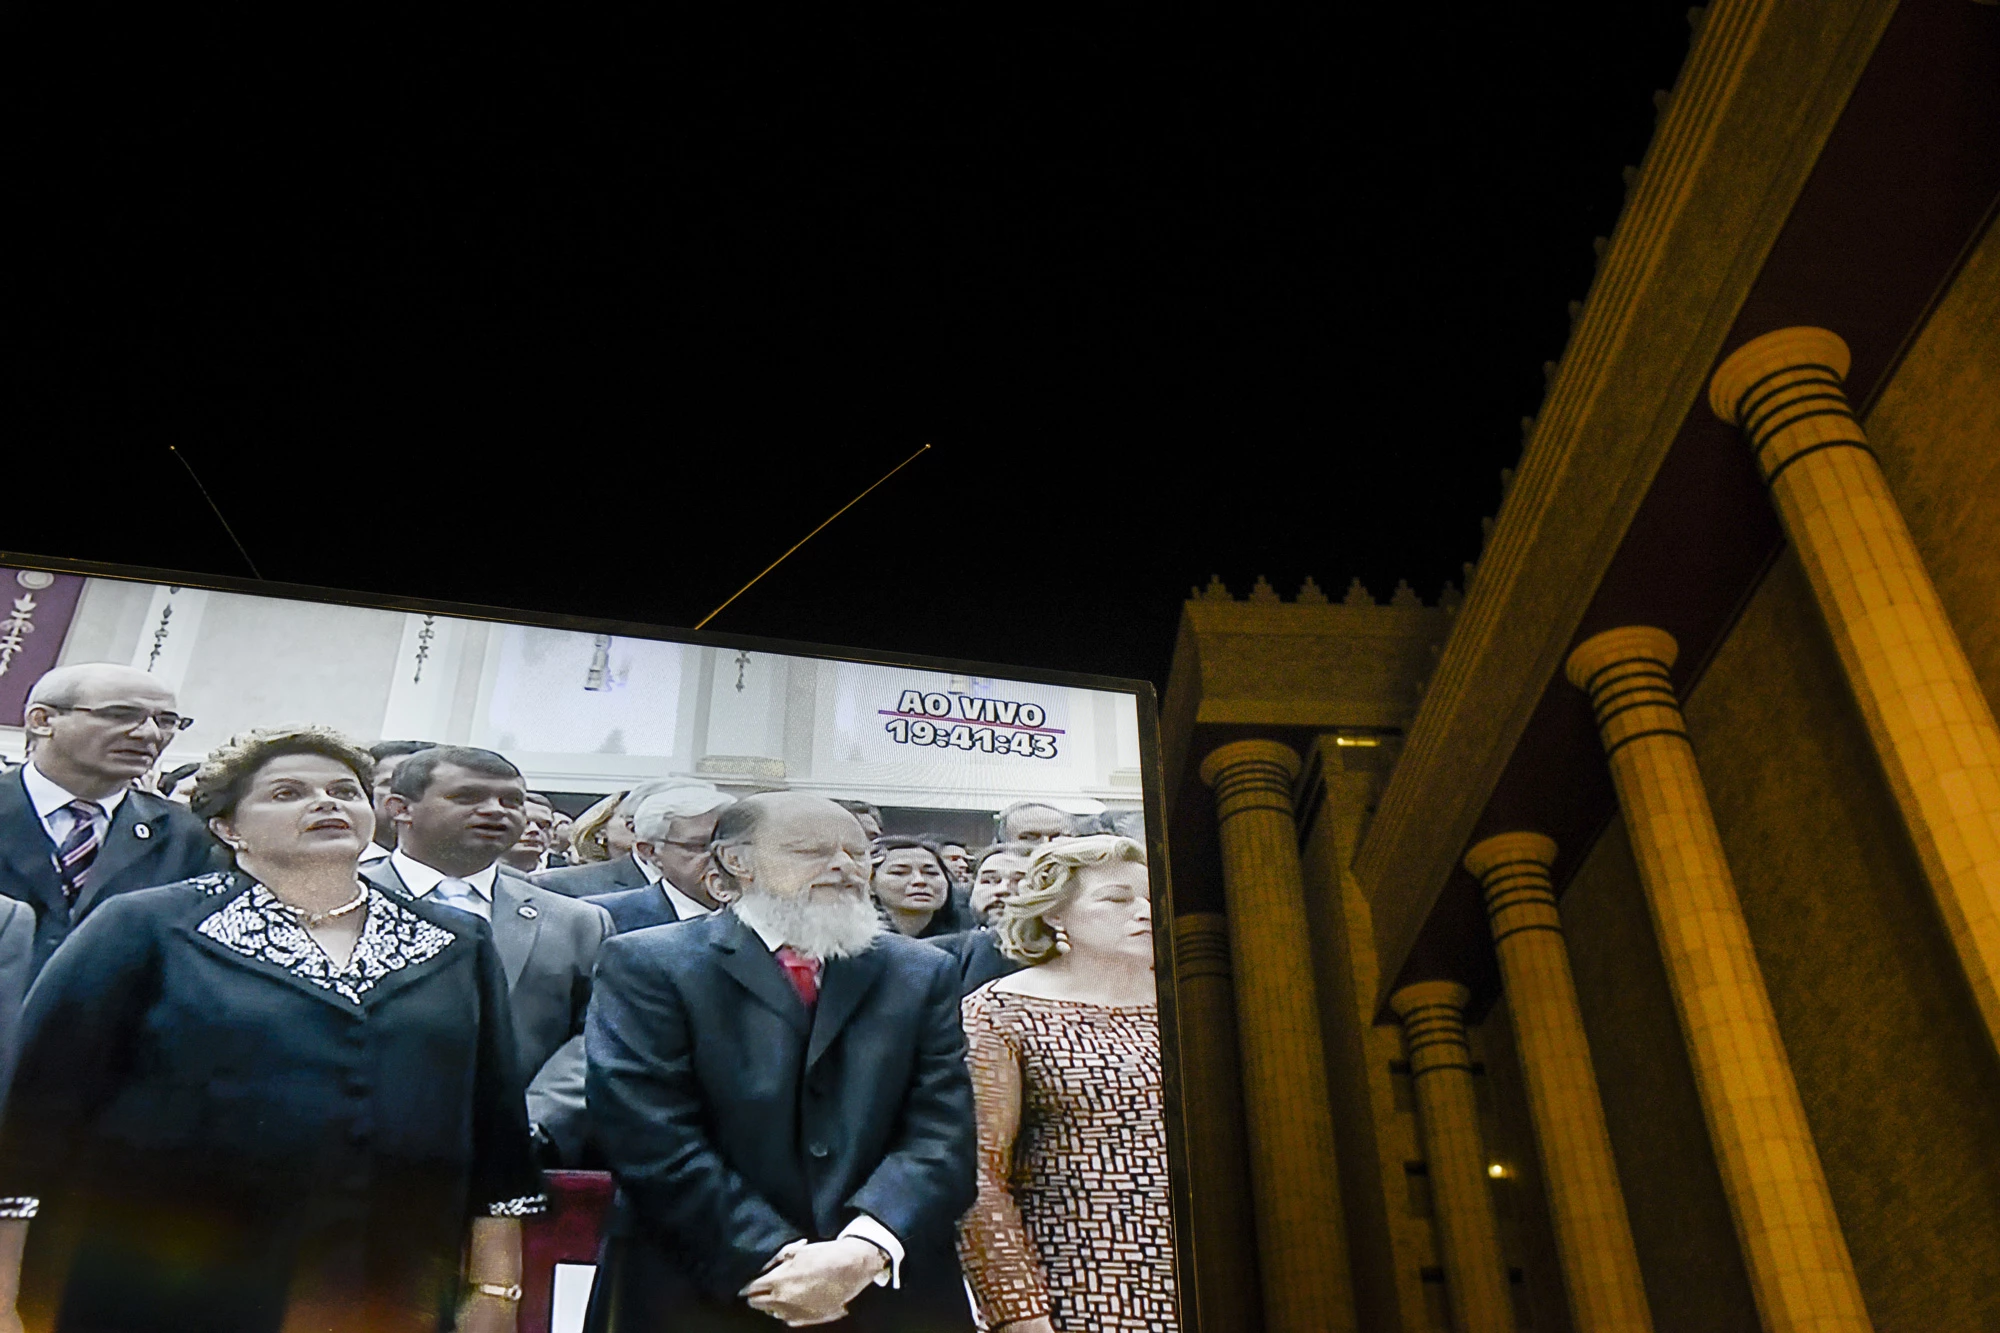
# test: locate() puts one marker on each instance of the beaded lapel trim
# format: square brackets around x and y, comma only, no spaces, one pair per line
[257,925]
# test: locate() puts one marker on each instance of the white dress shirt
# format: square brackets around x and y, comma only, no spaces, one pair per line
[50,800]
[647,868]
[686,908]
[863,1227]
[473,893]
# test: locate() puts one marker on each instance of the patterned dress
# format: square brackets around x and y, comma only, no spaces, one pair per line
[1073,1218]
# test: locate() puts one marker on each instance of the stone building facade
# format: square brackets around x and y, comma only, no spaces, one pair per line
[1618,948]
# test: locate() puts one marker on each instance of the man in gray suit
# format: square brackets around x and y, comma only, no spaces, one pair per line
[17,969]
[674,828]
[457,811]
[625,869]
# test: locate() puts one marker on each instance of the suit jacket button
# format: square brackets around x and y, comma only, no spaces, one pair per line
[819,1149]
[141,831]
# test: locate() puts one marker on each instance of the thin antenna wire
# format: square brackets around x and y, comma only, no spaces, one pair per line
[218,510]
[808,537]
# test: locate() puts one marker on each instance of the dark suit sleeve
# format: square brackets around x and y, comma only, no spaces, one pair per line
[505,1182]
[75,1040]
[17,969]
[646,1106]
[928,1178]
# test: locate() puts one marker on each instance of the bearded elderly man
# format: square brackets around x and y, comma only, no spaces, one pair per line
[782,1093]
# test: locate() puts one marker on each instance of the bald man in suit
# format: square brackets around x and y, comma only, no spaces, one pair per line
[74,830]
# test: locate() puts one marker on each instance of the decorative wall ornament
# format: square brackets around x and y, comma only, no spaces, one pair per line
[425,636]
[15,629]
[742,665]
[599,675]
[160,630]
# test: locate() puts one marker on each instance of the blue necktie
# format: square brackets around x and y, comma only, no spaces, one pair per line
[79,849]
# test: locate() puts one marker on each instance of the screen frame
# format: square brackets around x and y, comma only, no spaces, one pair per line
[1152,786]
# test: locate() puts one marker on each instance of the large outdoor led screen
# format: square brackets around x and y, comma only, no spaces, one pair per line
[352,946]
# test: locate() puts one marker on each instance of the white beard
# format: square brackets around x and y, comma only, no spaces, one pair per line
[839,929]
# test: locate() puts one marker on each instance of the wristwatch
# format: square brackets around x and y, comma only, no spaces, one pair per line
[496,1291]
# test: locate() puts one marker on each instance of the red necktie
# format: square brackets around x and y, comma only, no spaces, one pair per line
[802,972]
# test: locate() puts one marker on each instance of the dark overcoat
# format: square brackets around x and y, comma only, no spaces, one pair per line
[737,1122]
[593,878]
[208,1121]
[151,841]
[635,909]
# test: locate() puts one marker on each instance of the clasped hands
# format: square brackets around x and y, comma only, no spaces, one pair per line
[811,1282]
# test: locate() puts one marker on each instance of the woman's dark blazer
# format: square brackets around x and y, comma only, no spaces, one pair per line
[200,1128]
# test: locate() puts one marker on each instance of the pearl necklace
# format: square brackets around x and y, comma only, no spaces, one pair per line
[312,919]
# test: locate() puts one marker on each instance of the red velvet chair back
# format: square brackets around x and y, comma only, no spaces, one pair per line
[570,1232]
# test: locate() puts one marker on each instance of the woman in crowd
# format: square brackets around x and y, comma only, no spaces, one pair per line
[270,1098]
[915,891]
[589,840]
[1072,1230]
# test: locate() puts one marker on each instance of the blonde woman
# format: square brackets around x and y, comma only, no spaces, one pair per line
[588,841]
[1072,1230]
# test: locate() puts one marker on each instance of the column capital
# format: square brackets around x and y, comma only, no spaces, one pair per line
[1422,994]
[1201,945]
[1237,754]
[1748,367]
[1631,643]
[1508,848]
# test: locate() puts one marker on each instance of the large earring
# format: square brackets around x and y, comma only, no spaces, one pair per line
[1062,940]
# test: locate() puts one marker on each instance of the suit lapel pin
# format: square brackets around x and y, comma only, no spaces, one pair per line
[528,910]
[141,831]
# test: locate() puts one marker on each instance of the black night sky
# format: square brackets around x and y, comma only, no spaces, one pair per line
[597,309]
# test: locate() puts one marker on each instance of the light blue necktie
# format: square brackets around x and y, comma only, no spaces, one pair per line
[457,893]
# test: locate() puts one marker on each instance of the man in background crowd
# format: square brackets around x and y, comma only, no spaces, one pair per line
[457,811]
[531,853]
[1032,822]
[869,817]
[995,876]
[388,757]
[958,861]
[74,829]
[674,828]
[781,1090]
[559,849]
[622,870]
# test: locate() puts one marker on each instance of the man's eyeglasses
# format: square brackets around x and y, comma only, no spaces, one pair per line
[130,715]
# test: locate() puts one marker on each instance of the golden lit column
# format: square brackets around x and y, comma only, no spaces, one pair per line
[1224,1288]
[1798,1261]
[1600,1264]
[1301,1241]
[1930,722]
[1475,1274]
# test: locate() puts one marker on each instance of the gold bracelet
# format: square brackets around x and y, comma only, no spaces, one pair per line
[511,1292]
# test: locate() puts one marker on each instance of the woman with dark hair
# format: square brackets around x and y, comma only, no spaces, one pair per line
[915,891]
[271,1098]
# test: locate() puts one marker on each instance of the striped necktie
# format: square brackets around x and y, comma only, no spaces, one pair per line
[79,849]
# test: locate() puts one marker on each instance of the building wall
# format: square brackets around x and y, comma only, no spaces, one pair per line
[1693,1271]
[1936,428]
[1899,1083]
[581,712]
[1390,1238]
